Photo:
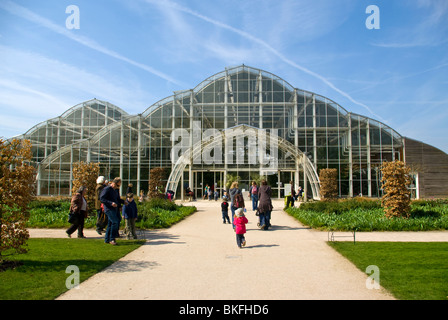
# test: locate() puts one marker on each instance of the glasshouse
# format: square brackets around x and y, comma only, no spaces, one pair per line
[242,123]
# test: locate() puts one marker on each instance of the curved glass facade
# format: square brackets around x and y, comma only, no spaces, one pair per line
[324,134]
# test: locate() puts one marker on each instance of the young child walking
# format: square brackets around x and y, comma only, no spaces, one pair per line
[240,221]
[130,215]
[225,210]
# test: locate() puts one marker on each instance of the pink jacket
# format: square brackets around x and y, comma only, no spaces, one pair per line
[240,225]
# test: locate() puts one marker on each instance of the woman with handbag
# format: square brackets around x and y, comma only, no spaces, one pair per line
[78,212]
[264,206]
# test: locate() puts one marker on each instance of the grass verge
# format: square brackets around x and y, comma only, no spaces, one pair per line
[42,273]
[409,270]
[367,215]
[153,214]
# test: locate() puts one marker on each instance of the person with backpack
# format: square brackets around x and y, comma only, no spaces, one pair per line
[236,198]
[253,194]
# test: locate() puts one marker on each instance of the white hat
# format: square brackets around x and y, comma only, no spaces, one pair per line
[239,212]
[100,180]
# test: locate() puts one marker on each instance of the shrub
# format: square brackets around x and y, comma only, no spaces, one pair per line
[328,184]
[160,203]
[160,213]
[156,213]
[340,206]
[85,174]
[364,214]
[16,190]
[156,184]
[395,183]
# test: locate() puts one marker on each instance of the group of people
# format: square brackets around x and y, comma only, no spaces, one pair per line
[261,203]
[110,210]
[210,194]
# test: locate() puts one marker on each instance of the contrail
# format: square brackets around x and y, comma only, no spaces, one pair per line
[265,45]
[31,16]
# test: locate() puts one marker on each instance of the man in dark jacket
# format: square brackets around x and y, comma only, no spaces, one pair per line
[110,197]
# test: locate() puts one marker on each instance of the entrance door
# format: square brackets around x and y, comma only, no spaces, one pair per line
[214,179]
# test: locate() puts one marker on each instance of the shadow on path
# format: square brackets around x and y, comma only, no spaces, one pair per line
[261,246]
[279,228]
[159,237]
[130,266]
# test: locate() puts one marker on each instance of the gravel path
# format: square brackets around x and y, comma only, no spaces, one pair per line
[198,259]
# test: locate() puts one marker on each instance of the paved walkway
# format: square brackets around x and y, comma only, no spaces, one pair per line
[198,259]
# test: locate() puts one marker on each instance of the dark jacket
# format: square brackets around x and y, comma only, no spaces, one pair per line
[110,195]
[225,206]
[130,210]
[264,199]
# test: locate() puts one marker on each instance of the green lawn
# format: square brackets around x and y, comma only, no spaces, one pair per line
[409,270]
[153,214]
[368,215]
[43,273]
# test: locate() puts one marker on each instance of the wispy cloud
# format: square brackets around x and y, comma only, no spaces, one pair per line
[262,43]
[14,86]
[411,43]
[27,14]
[397,78]
[39,88]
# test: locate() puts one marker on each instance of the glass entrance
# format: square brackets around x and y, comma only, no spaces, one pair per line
[213,179]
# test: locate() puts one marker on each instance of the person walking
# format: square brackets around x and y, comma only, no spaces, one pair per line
[206,192]
[101,220]
[130,214]
[291,197]
[299,194]
[240,222]
[190,194]
[225,210]
[264,205]
[78,209]
[112,203]
[253,194]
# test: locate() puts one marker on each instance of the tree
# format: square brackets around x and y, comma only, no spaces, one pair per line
[328,184]
[85,174]
[156,185]
[16,191]
[395,184]
[230,178]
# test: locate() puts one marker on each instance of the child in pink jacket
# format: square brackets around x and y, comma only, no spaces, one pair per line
[240,227]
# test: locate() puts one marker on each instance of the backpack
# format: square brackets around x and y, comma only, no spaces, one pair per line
[238,201]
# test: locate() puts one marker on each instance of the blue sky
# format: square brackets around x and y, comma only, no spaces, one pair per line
[134,53]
